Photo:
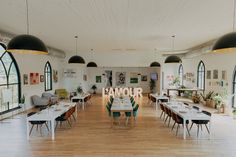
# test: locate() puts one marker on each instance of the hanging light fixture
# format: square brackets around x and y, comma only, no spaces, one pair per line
[92,64]
[227,43]
[26,43]
[173,58]
[76,58]
[155,64]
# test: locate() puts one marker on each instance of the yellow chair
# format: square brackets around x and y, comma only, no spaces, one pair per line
[61,93]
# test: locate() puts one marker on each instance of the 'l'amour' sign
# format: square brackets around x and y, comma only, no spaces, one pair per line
[117,92]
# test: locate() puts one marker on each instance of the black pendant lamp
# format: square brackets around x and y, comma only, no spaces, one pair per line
[227,43]
[76,59]
[26,43]
[173,59]
[155,64]
[92,64]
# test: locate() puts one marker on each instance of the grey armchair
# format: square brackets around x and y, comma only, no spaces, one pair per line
[38,101]
[50,97]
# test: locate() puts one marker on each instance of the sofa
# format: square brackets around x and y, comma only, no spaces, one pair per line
[39,102]
[61,93]
[51,97]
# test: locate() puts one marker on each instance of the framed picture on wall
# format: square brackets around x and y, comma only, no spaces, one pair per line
[55,75]
[34,78]
[215,74]
[224,75]
[143,78]
[208,74]
[98,79]
[25,79]
[85,77]
[41,78]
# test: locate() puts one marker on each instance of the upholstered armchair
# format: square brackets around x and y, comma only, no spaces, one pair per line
[61,93]
[51,97]
[38,101]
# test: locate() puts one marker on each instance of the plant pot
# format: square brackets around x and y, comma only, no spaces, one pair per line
[210,103]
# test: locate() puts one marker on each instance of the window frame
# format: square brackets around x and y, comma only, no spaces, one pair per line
[7,73]
[181,74]
[45,76]
[201,63]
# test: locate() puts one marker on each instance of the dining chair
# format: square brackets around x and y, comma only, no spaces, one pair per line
[116,115]
[199,123]
[162,111]
[186,104]
[168,117]
[153,99]
[135,113]
[73,110]
[64,117]
[196,107]
[178,120]
[37,123]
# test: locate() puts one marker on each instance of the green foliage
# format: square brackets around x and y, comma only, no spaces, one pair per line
[207,96]
[196,98]
[79,89]
[22,99]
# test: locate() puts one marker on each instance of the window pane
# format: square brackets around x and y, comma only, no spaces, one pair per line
[7,60]
[2,50]
[3,77]
[13,77]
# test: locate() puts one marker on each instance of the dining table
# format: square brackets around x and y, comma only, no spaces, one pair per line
[50,114]
[160,98]
[81,97]
[188,113]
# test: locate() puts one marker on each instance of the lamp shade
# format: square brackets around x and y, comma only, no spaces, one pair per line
[226,43]
[155,64]
[76,59]
[173,59]
[91,64]
[27,44]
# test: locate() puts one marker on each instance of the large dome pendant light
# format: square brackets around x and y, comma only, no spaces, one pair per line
[227,43]
[92,64]
[173,58]
[76,59]
[25,43]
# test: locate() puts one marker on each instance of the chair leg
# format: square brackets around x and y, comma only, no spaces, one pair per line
[169,121]
[56,125]
[197,130]
[60,124]
[161,114]
[47,126]
[166,118]
[40,130]
[68,122]
[31,129]
[127,120]
[207,129]
[73,117]
[177,130]
[187,129]
[201,126]
[191,126]
[173,126]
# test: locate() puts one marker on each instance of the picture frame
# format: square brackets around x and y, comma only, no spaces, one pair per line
[144,78]
[25,79]
[41,78]
[215,74]
[34,78]
[224,75]
[208,74]
[98,79]
[85,77]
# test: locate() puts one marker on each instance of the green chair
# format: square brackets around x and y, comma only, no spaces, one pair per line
[135,113]
[133,103]
[115,114]
[61,93]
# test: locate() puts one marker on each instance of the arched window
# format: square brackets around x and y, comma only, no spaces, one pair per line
[48,76]
[181,73]
[201,76]
[9,79]
[234,88]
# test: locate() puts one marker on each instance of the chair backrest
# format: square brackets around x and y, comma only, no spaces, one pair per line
[186,104]
[195,107]
[207,113]
[173,115]
[153,99]
[136,108]
[30,114]
[67,114]
[162,107]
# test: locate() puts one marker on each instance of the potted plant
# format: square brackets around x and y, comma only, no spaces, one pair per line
[218,101]
[152,85]
[208,99]
[79,89]
[196,98]
[94,87]
[234,113]
[22,99]
[176,82]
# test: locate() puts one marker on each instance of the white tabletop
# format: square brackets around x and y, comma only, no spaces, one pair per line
[121,105]
[159,96]
[81,96]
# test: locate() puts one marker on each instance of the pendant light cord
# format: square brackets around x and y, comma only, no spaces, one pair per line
[173,42]
[234,15]
[76,44]
[27,16]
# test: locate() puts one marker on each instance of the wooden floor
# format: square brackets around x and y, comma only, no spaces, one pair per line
[92,136]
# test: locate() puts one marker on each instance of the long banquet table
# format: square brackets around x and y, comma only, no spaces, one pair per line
[80,97]
[187,113]
[50,114]
[160,97]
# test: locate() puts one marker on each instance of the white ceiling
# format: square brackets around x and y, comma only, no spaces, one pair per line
[126,25]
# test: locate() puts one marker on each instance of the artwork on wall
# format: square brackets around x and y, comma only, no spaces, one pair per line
[41,78]
[98,79]
[143,78]
[25,79]
[108,78]
[120,78]
[34,78]
[70,73]
[189,77]
[209,83]
[133,77]
[55,75]
[208,74]
[85,77]
[215,74]
[224,75]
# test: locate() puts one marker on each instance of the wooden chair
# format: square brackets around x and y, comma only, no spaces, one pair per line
[178,120]
[64,117]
